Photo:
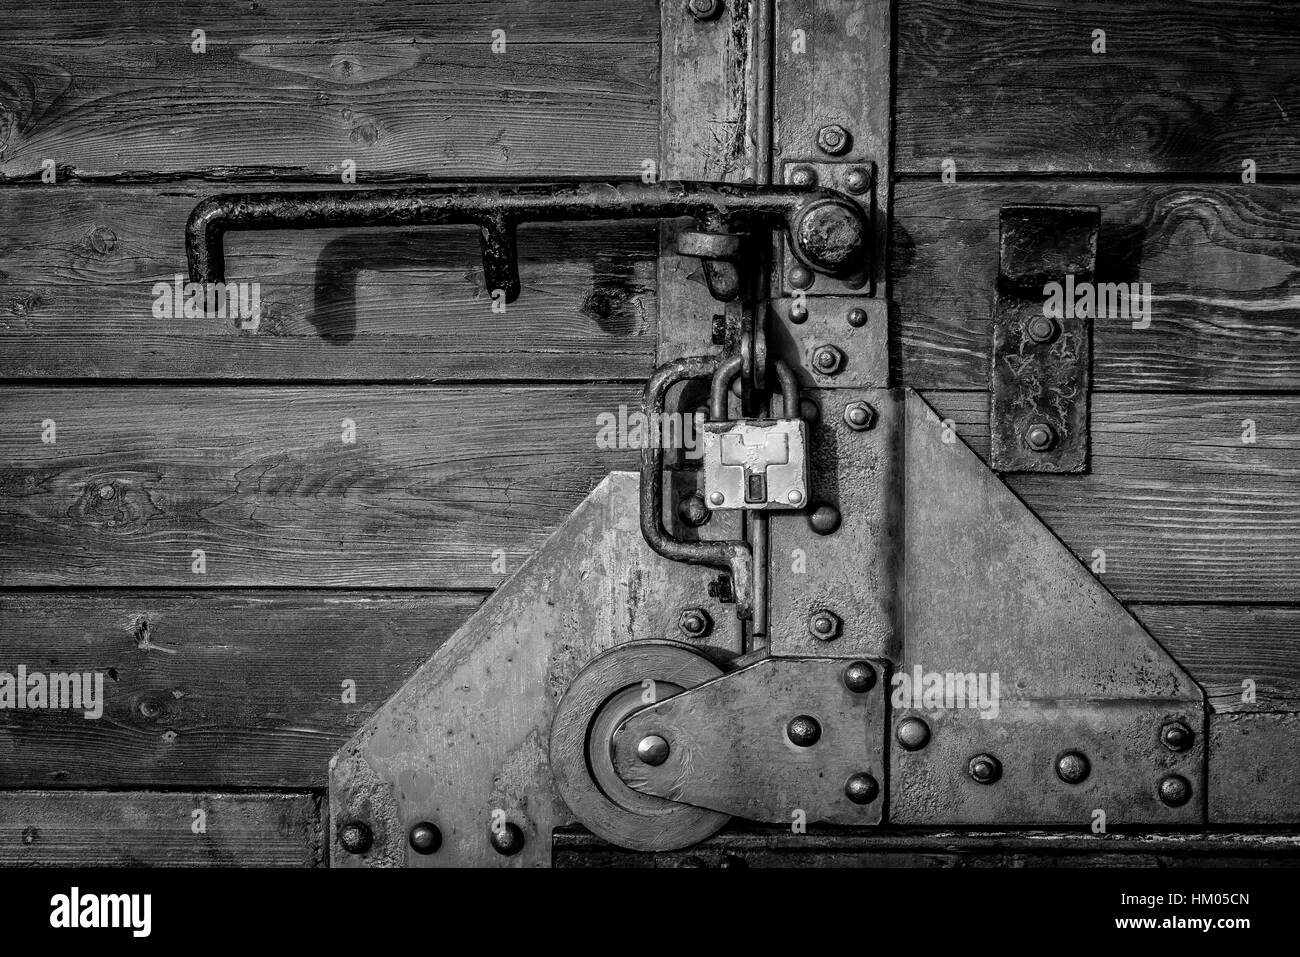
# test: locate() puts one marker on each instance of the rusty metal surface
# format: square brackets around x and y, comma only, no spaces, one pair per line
[797,329]
[466,738]
[731,748]
[855,278]
[1255,768]
[1040,374]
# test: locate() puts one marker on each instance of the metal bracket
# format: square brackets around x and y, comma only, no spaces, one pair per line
[1042,344]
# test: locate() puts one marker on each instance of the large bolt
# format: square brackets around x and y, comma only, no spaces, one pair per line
[857,181]
[833,140]
[694,622]
[803,731]
[704,9]
[824,519]
[1040,437]
[828,360]
[356,837]
[861,788]
[799,277]
[652,750]
[859,677]
[824,625]
[803,176]
[1175,790]
[425,838]
[859,416]
[693,511]
[1072,767]
[913,734]
[1176,736]
[507,839]
[984,769]
[1042,329]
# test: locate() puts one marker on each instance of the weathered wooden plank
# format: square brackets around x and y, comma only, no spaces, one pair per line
[396,109]
[1226,646]
[1255,768]
[210,689]
[78,266]
[237,21]
[1222,261]
[264,482]
[87,828]
[1185,86]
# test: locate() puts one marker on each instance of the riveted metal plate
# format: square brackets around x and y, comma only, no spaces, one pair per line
[1042,344]
[730,749]
[798,327]
[1255,768]
[834,176]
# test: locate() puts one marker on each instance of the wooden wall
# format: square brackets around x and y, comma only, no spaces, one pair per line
[328,562]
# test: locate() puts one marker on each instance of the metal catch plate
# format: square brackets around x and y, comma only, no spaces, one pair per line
[756,464]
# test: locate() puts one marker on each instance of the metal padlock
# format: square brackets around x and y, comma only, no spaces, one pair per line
[755,463]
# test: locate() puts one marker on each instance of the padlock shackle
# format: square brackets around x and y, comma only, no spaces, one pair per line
[727,373]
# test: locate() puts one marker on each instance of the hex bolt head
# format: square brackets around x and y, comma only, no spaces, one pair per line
[857,317]
[824,519]
[984,769]
[704,9]
[652,750]
[799,277]
[827,359]
[859,677]
[694,622]
[857,181]
[1073,767]
[803,176]
[507,840]
[1042,329]
[913,734]
[1175,790]
[1040,437]
[798,313]
[356,837]
[803,731]
[833,140]
[425,838]
[693,511]
[1176,736]
[824,625]
[861,788]
[859,416]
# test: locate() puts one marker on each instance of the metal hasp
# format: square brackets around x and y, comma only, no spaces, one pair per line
[1042,338]
[827,231]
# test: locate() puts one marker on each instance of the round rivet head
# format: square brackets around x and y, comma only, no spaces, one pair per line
[824,519]
[798,313]
[803,176]
[1175,790]
[652,750]
[913,734]
[704,9]
[833,140]
[717,498]
[857,318]
[425,838]
[507,839]
[857,180]
[1176,736]
[1042,329]
[1040,437]
[861,788]
[1072,767]
[795,497]
[799,277]
[984,769]
[107,491]
[356,837]
[692,510]
[859,677]
[803,731]
[809,411]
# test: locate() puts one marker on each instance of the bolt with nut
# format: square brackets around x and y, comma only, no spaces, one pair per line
[694,623]
[859,416]
[824,625]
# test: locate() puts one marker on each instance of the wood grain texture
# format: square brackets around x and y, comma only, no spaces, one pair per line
[1185,86]
[210,690]
[78,265]
[88,828]
[1254,769]
[1222,261]
[437,481]
[408,109]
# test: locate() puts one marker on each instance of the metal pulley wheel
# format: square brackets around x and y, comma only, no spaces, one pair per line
[614,685]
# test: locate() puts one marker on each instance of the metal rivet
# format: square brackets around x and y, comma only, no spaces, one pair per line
[803,176]
[827,359]
[859,416]
[799,277]
[704,9]
[857,317]
[824,519]
[798,313]
[1176,736]
[507,839]
[356,837]
[857,181]
[425,838]
[795,496]
[1072,767]
[803,731]
[652,750]
[859,677]
[1040,437]
[692,510]
[984,769]
[1042,329]
[1175,790]
[107,491]
[694,622]
[824,625]
[809,410]
[861,788]
[717,498]
[913,734]
[833,140]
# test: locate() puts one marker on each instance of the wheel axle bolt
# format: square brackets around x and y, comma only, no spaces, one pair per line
[861,788]
[859,416]
[803,731]
[694,622]
[356,837]
[425,838]
[1176,736]
[985,769]
[652,750]
[1040,437]
[507,839]
[913,734]
[1073,767]
[857,317]
[824,625]
[859,677]
[803,176]
[1175,790]
[833,140]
